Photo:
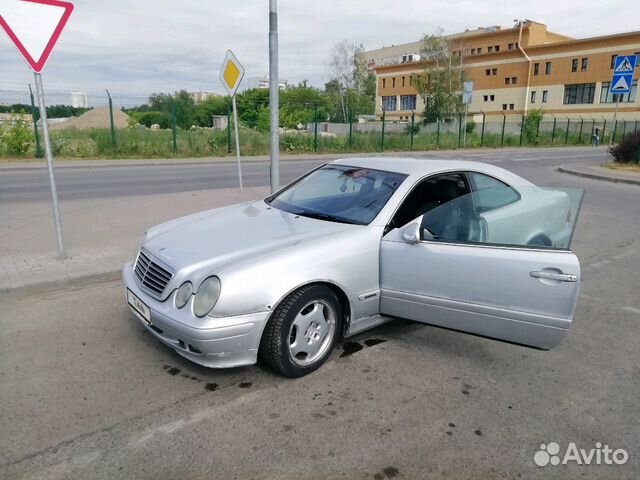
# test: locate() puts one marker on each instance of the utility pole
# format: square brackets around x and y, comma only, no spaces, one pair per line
[274,96]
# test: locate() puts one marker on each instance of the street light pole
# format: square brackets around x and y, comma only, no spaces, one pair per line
[274,95]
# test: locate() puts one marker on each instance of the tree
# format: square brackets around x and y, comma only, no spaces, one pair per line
[351,86]
[441,82]
[184,105]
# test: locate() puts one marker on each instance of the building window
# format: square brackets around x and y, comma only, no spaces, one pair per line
[492,97]
[533,96]
[607,97]
[514,80]
[511,106]
[479,50]
[389,103]
[494,71]
[507,80]
[584,65]
[497,48]
[536,68]
[574,65]
[403,81]
[473,51]
[408,102]
[510,48]
[490,49]
[504,106]
[579,93]
[411,80]
[613,61]
[516,44]
[547,68]
[384,83]
[545,96]
[486,98]
[393,82]
[488,71]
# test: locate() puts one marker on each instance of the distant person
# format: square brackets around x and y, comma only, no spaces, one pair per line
[595,138]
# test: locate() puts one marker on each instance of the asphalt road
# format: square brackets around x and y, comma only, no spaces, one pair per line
[31,185]
[86,393]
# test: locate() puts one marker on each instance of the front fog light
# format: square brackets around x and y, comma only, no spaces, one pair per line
[206,296]
[183,294]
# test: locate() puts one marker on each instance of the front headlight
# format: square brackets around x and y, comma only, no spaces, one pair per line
[206,296]
[183,295]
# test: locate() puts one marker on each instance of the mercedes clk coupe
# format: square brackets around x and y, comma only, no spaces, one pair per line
[351,245]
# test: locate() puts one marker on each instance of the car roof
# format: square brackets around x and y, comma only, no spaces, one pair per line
[421,167]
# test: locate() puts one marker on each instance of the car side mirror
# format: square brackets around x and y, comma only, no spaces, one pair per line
[411,233]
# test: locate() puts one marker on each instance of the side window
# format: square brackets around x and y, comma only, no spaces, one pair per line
[490,193]
[429,194]
[495,214]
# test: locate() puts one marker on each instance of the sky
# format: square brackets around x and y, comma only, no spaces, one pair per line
[138,47]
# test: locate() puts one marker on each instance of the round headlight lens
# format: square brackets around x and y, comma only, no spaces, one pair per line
[183,294]
[206,296]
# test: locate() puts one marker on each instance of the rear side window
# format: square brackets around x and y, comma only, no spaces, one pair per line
[491,193]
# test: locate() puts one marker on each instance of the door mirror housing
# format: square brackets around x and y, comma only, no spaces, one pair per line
[411,233]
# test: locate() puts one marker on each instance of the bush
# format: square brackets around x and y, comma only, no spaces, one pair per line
[470,127]
[154,118]
[409,129]
[628,150]
[16,138]
[531,125]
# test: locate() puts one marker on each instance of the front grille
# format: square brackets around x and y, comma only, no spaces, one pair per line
[151,275]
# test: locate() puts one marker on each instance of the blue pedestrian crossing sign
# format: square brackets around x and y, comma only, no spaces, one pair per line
[623,73]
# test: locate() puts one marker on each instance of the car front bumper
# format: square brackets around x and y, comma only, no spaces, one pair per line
[232,342]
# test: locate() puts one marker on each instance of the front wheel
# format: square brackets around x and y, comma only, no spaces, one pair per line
[302,331]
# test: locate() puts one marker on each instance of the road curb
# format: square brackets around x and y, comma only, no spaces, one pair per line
[70,282]
[597,176]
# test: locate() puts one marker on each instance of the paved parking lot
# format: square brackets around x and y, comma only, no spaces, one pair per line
[86,393]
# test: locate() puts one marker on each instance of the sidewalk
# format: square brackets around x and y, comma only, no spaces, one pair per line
[101,235]
[597,172]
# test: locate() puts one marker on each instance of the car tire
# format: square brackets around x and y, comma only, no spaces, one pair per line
[302,331]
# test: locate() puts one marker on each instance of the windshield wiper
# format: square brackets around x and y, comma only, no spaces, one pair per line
[326,216]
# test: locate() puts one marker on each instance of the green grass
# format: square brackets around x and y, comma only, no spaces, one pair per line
[143,143]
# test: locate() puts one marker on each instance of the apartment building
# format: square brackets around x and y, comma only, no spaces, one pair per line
[518,69]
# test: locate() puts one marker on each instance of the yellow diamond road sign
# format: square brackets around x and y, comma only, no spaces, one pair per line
[231,73]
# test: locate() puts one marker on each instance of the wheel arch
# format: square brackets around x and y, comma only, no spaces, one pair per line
[343,298]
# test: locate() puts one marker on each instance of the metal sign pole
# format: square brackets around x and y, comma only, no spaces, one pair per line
[235,124]
[49,154]
[615,116]
[464,135]
[274,96]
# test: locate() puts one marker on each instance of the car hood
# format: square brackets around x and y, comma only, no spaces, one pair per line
[215,239]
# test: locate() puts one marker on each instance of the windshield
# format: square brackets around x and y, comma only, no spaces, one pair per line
[339,193]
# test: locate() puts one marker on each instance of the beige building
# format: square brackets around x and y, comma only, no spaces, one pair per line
[200,97]
[515,70]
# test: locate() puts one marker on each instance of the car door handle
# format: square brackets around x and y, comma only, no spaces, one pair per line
[560,277]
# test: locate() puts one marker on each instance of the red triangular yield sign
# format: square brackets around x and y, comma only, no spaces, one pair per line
[35,31]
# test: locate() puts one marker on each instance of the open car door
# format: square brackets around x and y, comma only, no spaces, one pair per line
[495,262]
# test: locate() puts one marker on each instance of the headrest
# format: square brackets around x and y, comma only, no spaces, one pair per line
[445,190]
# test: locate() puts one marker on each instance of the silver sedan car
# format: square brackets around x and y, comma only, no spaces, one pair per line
[351,245]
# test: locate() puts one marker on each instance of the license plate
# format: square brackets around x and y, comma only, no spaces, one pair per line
[139,306]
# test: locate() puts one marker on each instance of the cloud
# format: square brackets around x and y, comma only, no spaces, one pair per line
[138,47]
